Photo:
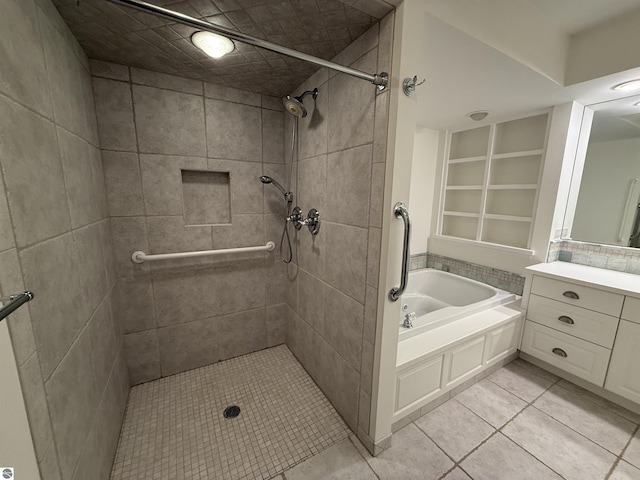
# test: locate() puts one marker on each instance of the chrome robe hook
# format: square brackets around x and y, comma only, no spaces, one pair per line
[409,85]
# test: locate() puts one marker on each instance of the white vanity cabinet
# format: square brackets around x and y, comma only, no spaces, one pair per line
[585,321]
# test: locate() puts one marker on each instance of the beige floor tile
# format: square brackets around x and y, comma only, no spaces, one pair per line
[411,456]
[603,402]
[557,446]
[491,402]
[632,453]
[524,380]
[340,462]
[455,429]
[457,474]
[625,471]
[501,459]
[597,423]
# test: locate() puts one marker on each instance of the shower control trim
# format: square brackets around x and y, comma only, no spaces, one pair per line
[313,221]
[296,218]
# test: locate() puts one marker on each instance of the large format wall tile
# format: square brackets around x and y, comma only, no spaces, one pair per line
[73,400]
[123,183]
[128,235]
[133,304]
[343,318]
[273,136]
[246,188]
[33,174]
[187,346]
[7,240]
[23,75]
[143,356]
[346,254]
[231,131]
[348,186]
[90,264]
[169,122]
[104,344]
[114,110]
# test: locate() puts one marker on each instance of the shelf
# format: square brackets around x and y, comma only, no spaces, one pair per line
[468,159]
[463,187]
[515,186]
[461,214]
[527,153]
[509,218]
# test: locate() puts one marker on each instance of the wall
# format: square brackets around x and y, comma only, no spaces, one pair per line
[340,172]
[602,256]
[55,241]
[181,314]
[609,167]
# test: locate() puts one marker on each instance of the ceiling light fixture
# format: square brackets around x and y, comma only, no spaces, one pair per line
[212,44]
[628,86]
[477,116]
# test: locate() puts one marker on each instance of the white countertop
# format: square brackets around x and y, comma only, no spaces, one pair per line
[618,282]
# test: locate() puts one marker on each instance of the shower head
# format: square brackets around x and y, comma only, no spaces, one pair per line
[287,195]
[295,106]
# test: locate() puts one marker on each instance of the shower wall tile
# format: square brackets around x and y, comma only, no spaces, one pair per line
[241,333]
[169,122]
[143,356]
[107,252]
[7,240]
[229,94]
[49,468]
[81,179]
[385,43]
[348,186]
[312,182]
[110,70]
[56,316]
[92,276]
[274,202]
[380,128]
[343,320]
[246,230]
[162,182]
[31,164]
[346,255]
[340,384]
[104,344]
[123,184]
[370,313]
[366,368]
[23,76]
[351,108]
[312,251]
[279,284]
[232,129]
[188,346]
[35,400]
[364,411]
[272,103]
[73,399]
[114,111]
[169,234]
[272,136]
[129,234]
[363,44]
[377,195]
[276,323]
[246,188]
[133,304]
[373,256]
[219,291]
[311,298]
[169,82]
[313,129]
[19,322]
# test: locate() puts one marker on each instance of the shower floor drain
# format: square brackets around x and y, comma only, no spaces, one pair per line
[231,412]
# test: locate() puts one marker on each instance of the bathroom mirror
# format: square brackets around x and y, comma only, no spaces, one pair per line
[607,177]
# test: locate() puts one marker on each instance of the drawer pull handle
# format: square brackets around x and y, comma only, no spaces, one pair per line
[560,352]
[565,319]
[572,295]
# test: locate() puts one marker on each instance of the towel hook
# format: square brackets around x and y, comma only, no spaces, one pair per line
[409,85]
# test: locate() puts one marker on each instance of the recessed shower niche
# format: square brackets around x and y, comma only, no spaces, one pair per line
[206,197]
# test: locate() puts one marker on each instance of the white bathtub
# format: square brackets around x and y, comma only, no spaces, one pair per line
[438,298]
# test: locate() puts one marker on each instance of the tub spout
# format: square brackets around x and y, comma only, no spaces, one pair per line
[408,320]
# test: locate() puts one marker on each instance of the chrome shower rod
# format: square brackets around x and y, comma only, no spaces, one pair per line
[379,79]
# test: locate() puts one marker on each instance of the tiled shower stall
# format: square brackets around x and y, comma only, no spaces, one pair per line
[101,159]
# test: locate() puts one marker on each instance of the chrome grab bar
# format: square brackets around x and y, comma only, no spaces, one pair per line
[400,210]
[139,256]
[13,302]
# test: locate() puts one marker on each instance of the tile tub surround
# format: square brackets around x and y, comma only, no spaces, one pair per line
[55,240]
[181,314]
[521,430]
[341,162]
[174,427]
[594,255]
[509,281]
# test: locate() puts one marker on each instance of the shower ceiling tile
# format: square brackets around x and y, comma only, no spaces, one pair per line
[322,28]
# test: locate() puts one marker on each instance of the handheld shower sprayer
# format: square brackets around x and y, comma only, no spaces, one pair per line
[288,196]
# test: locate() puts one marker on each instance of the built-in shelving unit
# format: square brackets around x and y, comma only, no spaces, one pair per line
[491,181]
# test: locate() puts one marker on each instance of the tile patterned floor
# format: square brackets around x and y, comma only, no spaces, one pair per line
[520,423]
[174,427]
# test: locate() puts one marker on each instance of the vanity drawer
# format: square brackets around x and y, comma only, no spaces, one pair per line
[631,310]
[585,297]
[582,323]
[579,357]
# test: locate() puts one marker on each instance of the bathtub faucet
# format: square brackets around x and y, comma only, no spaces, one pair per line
[408,320]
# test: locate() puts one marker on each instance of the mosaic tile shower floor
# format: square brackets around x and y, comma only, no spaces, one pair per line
[174,427]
